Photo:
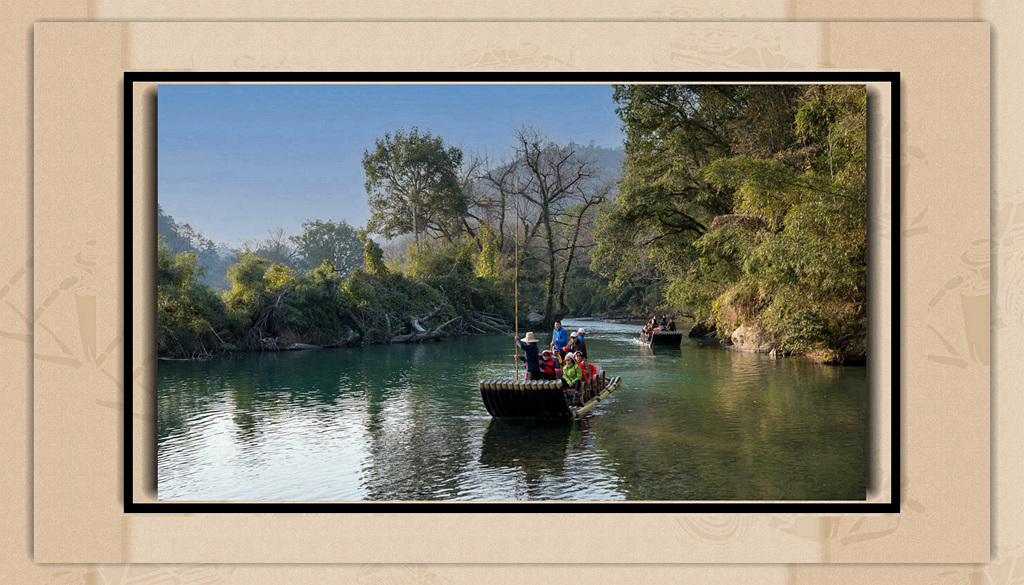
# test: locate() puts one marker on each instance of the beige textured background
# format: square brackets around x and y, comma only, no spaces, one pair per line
[630,537]
[15,319]
[936,524]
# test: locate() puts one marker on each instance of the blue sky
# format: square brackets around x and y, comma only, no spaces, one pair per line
[237,160]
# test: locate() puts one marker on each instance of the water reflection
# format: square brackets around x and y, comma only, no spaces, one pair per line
[407,423]
[535,447]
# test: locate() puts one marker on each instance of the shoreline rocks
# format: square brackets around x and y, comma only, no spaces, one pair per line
[753,338]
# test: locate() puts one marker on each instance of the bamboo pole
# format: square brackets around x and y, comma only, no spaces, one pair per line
[516,278]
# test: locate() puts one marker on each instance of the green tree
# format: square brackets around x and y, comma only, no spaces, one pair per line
[337,243]
[809,269]
[749,202]
[189,313]
[317,309]
[666,201]
[373,255]
[413,186]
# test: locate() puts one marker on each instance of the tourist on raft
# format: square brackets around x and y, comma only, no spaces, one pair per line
[559,337]
[549,369]
[588,369]
[574,344]
[529,346]
[572,377]
[582,344]
[671,325]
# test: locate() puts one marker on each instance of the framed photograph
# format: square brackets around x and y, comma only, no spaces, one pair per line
[115,497]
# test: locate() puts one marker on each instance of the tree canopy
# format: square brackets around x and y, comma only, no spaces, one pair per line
[750,204]
[338,243]
[413,186]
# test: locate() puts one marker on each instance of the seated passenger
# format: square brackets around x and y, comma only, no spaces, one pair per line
[671,325]
[572,377]
[548,366]
[574,343]
[582,343]
[589,372]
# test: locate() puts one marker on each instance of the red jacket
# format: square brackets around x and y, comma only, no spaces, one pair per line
[548,367]
[589,371]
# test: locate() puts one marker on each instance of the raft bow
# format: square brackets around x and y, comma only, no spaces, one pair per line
[541,399]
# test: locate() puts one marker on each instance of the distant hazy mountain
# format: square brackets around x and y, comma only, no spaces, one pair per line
[609,159]
[213,256]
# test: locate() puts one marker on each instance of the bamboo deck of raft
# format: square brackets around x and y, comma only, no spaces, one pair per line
[541,399]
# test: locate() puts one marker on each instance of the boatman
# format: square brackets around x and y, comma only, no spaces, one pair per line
[559,338]
[529,346]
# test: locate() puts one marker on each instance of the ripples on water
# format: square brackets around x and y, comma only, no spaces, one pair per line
[406,422]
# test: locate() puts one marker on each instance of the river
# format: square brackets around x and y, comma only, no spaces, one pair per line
[405,422]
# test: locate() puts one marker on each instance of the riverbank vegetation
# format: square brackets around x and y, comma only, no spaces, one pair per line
[747,205]
[741,207]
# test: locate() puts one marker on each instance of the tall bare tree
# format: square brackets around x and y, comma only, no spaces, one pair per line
[558,191]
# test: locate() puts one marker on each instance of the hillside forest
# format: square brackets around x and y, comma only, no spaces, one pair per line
[739,208]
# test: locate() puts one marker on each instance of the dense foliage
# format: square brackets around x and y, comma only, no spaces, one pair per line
[188,313]
[413,187]
[737,206]
[749,203]
[271,305]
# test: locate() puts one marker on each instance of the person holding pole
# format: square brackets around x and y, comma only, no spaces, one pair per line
[529,346]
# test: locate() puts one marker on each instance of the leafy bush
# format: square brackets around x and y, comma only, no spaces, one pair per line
[190,316]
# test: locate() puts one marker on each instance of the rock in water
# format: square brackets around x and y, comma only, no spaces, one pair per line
[752,337]
[701,329]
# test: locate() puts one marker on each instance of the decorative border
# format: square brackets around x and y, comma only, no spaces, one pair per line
[893,506]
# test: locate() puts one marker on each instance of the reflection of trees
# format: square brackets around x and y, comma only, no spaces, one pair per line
[419,445]
[183,391]
[534,447]
[790,441]
[754,429]
[260,389]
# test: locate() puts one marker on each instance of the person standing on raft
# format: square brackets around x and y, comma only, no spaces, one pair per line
[559,338]
[529,346]
[574,343]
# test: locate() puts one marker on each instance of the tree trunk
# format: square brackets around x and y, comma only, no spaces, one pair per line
[549,300]
[426,335]
[568,263]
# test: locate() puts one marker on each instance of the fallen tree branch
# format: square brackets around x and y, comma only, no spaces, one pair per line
[359,324]
[426,335]
[416,322]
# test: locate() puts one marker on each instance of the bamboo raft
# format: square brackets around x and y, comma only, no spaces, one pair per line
[542,399]
[673,338]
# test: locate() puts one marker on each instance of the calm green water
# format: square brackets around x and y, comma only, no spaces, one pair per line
[406,422]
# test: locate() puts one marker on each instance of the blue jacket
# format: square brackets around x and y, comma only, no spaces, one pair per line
[560,337]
